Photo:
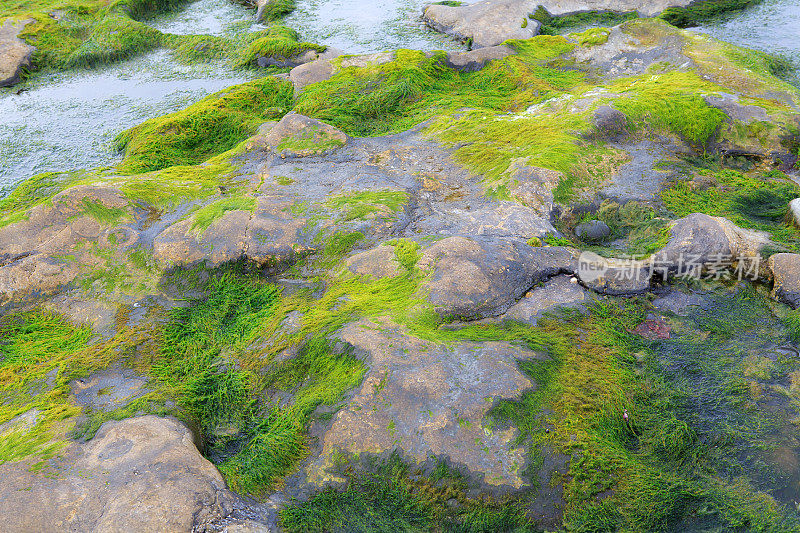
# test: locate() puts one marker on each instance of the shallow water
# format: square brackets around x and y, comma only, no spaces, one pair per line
[361,26]
[772,26]
[68,121]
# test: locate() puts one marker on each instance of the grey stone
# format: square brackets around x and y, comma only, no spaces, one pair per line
[379,262]
[785,270]
[794,211]
[559,292]
[592,230]
[476,59]
[610,123]
[432,400]
[700,239]
[487,22]
[298,136]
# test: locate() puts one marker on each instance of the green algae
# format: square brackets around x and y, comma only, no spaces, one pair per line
[556,25]
[397,95]
[753,200]
[697,12]
[206,215]
[277,9]
[390,496]
[367,204]
[210,127]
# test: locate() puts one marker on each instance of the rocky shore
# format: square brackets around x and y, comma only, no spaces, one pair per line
[547,283]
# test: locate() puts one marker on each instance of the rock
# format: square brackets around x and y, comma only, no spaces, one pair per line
[298,136]
[533,187]
[481,277]
[428,399]
[380,262]
[699,242]
[616,277]
[785,270]
[592,231]
[610,123]
[556,293]
[270,235]
[794,211]
[314,72]
[498,219]
[476,59]
[15,54]
[139,474]
[486,23]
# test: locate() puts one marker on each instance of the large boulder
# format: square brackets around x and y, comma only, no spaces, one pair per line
[428,399]
[485,23]
[139,474]
[785,270]
[15,54]
[699,242]
[473,277]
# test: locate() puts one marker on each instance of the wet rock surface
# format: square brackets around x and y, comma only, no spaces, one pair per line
[140,474]
[15,54]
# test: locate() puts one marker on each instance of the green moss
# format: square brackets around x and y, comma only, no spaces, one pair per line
[108,216]
[698,12]
[210,127]
[29,193]
[638,224]
[310,141]
[207,215]
[671,102]
[278,42]
[413,88]
[114,37]
[406,251]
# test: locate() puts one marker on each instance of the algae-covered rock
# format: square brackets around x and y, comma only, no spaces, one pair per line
[698,241]
[486,23]
[297,135]
[139,474]
[428,399]
[15,54]
[380,262]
